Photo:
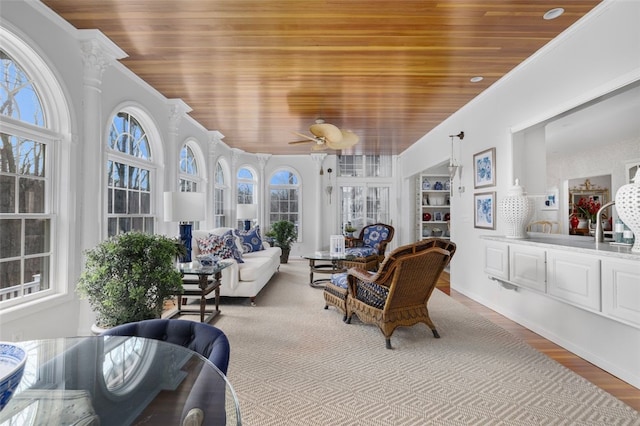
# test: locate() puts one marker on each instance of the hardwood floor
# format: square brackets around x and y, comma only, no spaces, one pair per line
[609,383]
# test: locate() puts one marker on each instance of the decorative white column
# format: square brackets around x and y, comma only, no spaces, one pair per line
[215,140]
[177,111]
[98,53]
[318,159]
[262,192]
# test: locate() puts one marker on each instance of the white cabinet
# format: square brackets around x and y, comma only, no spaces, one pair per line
[496,260]
[575,279]
[433,212]
[527,267]
[621,290]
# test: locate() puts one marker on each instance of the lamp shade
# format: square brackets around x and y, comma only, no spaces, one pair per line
[247,211]
[183,206]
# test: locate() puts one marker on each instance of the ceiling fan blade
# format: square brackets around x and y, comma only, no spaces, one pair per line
[299,142]
[311,138]
[349,138]
[319,147]
[327,131]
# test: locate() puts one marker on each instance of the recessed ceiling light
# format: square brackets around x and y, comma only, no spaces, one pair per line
[476,79]
[553,13]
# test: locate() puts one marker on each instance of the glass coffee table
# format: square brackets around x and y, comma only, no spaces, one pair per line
[323,262]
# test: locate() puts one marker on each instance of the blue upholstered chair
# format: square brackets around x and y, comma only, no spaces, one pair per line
[205,404]
[205,339]
[368,250]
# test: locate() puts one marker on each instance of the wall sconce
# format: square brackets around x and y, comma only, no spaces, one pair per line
[453,165]
[184,207]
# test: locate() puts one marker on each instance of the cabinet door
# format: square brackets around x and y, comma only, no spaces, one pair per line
[621,290]
[575,279]
[496,260]
[527,267]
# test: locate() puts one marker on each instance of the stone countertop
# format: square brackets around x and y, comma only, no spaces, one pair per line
[576,244]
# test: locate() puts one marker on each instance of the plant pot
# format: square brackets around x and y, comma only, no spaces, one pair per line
[284,257]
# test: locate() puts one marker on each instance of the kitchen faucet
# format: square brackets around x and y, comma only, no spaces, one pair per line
[599,234]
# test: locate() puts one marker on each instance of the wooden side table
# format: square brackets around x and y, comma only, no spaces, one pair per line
[204,287]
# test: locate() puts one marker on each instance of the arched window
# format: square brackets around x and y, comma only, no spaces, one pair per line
[284,198]
[129,179]
[189,178]
[247,185]
[220,189]
[26,169]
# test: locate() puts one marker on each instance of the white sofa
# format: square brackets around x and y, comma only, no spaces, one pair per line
[242,279]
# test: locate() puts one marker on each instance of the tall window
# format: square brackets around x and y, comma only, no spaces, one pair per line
[246,186]
[218,198]
[25,186]
[128,177]
[284,198]
[365,184]
[188,170]
[246,190]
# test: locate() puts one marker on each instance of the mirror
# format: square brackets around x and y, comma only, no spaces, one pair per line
[599,139]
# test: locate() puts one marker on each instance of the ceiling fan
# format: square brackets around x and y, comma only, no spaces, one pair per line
[327,135]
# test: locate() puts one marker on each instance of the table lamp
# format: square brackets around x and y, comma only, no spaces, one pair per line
[247,212]
[184,207]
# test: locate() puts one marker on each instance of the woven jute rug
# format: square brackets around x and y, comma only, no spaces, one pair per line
[295,363]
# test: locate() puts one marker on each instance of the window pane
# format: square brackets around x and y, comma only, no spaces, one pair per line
[8,153]
[145,203]
[37,270]
[145,184]
[9,275]
[31,158]
[133,178]
[11,230]
[36,236]
[18,97]
[120,201]
[7,194]
[112,226]
[31,196]
[134,203]
[137,224]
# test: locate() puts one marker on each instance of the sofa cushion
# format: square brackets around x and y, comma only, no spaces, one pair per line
[229,240]
[251,240]
[255,267]
[214,245]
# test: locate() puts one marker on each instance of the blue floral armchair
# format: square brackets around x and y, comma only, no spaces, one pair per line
[368,250]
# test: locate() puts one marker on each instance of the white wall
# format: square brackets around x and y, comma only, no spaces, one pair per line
[599,54]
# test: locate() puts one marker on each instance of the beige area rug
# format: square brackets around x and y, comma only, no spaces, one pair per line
[295,363]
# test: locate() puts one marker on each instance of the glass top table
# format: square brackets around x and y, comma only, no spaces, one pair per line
[323,262]
[201,287]
[115,380]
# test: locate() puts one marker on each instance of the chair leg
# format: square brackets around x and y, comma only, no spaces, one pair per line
[435,333]
[326,306]
[388,342]
[347,319]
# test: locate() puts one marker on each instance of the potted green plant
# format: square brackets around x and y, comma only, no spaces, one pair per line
[349,230]
[128,277]
[284,235]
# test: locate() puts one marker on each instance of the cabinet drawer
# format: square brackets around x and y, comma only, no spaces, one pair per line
[575,279]
[527,267]
[496,260]
[621,290]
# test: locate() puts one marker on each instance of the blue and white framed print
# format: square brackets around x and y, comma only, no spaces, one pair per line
[484,168]
[484,210]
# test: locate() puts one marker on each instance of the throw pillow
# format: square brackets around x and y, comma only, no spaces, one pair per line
[229,240]
[214,245]
[251,239]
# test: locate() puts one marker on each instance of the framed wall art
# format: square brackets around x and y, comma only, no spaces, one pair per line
[484,210]
[484,168]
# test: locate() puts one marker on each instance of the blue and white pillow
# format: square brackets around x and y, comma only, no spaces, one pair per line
[229,240]
[251,240]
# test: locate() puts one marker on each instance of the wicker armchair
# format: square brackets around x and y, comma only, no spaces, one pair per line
[398,293]
[369,248]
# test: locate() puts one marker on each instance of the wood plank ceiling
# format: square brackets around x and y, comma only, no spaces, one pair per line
[258,70]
